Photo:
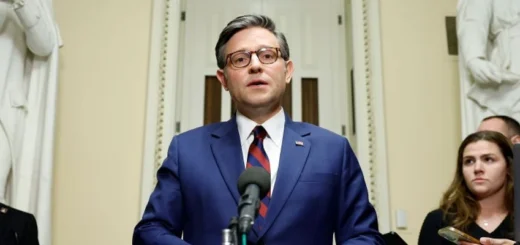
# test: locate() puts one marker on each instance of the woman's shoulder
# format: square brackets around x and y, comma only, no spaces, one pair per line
[436,213]
[433,221]
[435,216]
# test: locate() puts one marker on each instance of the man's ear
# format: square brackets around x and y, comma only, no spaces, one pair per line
[515,139]
[221,76]
[289,69]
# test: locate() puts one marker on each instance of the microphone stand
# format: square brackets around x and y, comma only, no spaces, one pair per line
[230,234]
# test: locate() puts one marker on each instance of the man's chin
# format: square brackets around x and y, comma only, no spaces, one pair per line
[259,101]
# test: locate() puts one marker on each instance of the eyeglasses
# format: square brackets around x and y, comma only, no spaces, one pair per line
[241,59]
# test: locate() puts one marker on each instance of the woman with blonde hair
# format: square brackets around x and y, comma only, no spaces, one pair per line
[479,200]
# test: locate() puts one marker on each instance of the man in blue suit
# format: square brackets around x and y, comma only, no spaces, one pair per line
[317,185]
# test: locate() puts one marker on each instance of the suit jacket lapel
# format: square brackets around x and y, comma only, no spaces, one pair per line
[227,151]
[295,150]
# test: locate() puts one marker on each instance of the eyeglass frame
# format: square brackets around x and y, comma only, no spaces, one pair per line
[250,53]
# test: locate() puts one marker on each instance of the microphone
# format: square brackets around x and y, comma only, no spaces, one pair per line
[253,186]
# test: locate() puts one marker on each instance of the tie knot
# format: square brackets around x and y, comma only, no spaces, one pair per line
[259,132]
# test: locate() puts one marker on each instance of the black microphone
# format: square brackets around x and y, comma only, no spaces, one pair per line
[253,186]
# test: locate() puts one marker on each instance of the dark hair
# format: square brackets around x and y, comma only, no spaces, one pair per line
[459,205]
[513,127]
[244,22]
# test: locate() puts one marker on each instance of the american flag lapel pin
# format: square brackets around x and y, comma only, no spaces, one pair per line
[299,143]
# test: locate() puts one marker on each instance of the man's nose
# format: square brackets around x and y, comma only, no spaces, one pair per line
[256,65]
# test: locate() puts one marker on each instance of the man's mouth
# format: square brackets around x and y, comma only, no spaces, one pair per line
[257,83]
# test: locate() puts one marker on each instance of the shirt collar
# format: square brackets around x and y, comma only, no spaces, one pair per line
[273,126]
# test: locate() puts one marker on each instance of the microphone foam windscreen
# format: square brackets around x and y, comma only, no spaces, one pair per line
[255,175]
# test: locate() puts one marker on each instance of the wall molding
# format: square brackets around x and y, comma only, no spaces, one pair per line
[162,80]
[369,102]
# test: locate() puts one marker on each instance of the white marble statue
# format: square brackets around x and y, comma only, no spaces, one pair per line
[29,43]
[488,33]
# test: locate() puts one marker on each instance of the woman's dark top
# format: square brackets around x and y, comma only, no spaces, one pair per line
[434,221]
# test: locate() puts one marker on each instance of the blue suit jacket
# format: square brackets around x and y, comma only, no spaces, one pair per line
[319,191]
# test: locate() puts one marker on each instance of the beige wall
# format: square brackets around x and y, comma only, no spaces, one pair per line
[99,127]
[421,106]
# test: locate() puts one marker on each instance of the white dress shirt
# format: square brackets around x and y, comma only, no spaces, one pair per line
[272,143]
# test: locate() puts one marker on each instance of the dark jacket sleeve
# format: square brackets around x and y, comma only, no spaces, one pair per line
[431,225]
[29,235]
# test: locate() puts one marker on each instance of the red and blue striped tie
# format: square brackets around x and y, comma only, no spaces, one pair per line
[257,157]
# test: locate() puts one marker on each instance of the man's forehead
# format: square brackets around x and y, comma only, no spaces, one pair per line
[251,39]
[494,124]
